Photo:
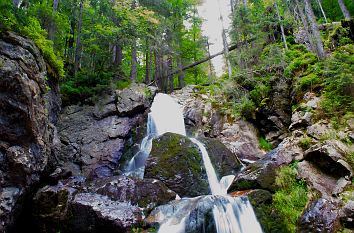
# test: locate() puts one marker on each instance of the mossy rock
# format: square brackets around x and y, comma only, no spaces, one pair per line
[177,162]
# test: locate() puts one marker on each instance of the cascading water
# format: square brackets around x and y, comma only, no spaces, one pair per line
[231,215]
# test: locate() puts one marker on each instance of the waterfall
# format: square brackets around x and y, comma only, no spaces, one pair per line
[163,109]
[231,215]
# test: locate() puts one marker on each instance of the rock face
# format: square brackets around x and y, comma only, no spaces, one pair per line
[95,137]
[114,204]
[27,114]
[177,162]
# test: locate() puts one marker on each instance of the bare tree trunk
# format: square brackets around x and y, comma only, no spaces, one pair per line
[210,63]
[78,40]
[306,26]
[134,63]
[314,28]
[118,57]
[281,25]
[323,13]
[226,53]
[170,80]
[181,73]
[51,29]
[147,62]
[344,9]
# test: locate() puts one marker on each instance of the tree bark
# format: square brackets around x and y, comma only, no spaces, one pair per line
[51,29]
[344,9]
[306,26]
[118,57]
[314,28]
[78,41]
[321,8]
[134,63]
[147,62]
[281,25]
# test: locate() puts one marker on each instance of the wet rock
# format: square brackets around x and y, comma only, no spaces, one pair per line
[320,216]
[262,173]
[28,112]
[177,162]
[135,99]
[114,204]
[223,160]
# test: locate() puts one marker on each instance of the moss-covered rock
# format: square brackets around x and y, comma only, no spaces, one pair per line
[177,162]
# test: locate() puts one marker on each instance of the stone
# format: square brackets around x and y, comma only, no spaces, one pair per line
[134,99]
[261,174]
[177,162]
[223,160]
[347,215]
[318,130]
[114,204]
[28,112]
[320,216]
[300,119]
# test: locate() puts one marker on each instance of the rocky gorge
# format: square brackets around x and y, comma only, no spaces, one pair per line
[62,169]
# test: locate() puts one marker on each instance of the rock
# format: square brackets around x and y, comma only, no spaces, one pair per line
[319,130]
[114,204]
[135,99]
[312,100]
[320,216]
[300,119]
[242,139]
[347,215]
[223,160]
[146,193]
[28,112]
[177,162]
[329,156]
[320,181]
[259,196]
[262,173]
[97,144]
[106,107]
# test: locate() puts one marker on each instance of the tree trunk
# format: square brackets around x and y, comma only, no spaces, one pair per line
[314,28]
[134,63]
[306,26]
[147,62]
[281,25]
[17,3]
[78,40]
[181,73]
[344,9]
[170,82]
[226,53]
[118,57]
[51,29]
[323,13]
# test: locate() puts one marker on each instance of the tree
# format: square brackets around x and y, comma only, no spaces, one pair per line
[344,9]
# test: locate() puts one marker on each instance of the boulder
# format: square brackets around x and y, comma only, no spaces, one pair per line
[28,112]
[320,216]
[329,156]
[347,215]
[177,162]
[134,99]
[223,160]
[114,204]
[95,143]
[262,173]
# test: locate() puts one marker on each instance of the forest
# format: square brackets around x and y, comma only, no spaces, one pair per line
[281,114]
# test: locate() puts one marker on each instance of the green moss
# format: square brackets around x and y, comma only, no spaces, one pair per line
[264,144]
[122,84]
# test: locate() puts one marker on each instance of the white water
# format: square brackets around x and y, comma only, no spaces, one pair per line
[231,215]
[166,116]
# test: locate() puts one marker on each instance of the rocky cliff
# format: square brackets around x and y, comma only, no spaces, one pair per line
[29,105]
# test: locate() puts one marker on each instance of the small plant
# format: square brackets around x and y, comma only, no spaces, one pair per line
[264,144]
[305,142]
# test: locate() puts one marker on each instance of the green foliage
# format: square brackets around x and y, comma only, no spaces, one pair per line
[305,142]
[339,82]
[246,108]
[290,198]
[300,64]
[264,144]
[84,86]
[308,82]
[123,83]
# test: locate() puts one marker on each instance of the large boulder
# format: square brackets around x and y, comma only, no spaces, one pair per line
[177,162]
[114,204]
[28,112]
[262,173]
[134,99]
[223,160]
[320,216]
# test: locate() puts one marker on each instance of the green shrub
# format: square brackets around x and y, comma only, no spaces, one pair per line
[264,144]
[305,142]
[290,198]
[123,83]
[246,108]
[300,64]
[308,82]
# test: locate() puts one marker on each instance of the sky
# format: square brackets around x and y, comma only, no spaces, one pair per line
[212,27]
